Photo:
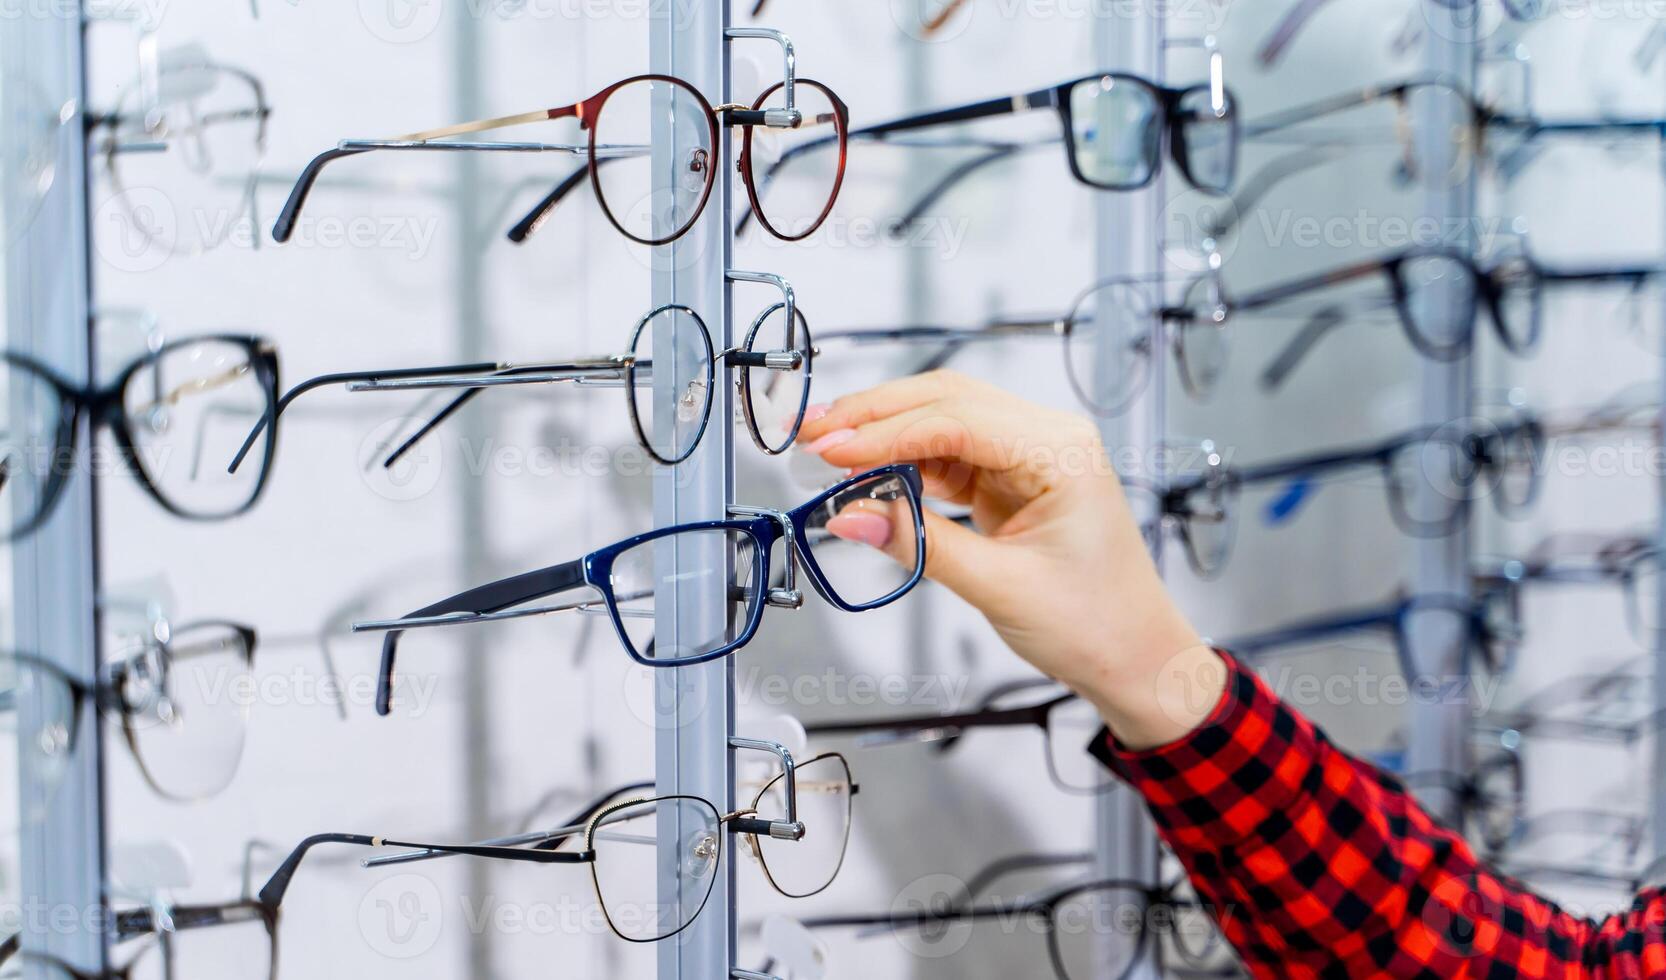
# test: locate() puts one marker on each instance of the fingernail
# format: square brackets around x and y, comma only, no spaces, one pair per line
[864,528]
[837,437]
[816,411]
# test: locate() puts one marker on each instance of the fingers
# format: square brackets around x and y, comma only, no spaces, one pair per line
[879,402]
[956,556]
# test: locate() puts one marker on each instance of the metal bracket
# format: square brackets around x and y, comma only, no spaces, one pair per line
[788,596]
[739,974]
[787,116]
[790,828]
[789,298]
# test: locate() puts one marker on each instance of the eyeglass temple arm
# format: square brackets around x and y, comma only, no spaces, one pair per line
[285,226]
[133,923]
[956,175]
[1634,275]
[1317,328]
[538,839]
[1257,644]
[1000,868]
[1308,111]
[272,893]
[1286,30]
[342,379]
[463,398]
[490,598]
[988,108]
[997,718]
[535,217]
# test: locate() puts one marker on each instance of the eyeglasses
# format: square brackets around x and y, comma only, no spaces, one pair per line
[168,411]
[624,847]
[1630,561]
[166,952]
[1492,797]
[773,383]
[1096,930]
[651,199]
[1417,624]
[1111,313]
[1614,706]
[639,575]
[1067,725]
[1114,127]
[1436,119]
[1612,842]
[1303,11]
[175,698]
[1430,475]
[194,142]
[1437,295]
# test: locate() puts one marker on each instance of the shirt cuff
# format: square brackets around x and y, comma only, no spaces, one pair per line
[1221,782]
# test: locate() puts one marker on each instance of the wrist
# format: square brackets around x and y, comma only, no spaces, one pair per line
[1156,687]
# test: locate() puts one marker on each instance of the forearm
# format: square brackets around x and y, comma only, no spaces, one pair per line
[1330,867]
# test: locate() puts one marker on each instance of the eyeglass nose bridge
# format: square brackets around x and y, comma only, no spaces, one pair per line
[789,596]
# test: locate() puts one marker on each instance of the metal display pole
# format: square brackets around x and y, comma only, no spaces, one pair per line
[1127,245]
[1439,724]
[695,705]
[55,571]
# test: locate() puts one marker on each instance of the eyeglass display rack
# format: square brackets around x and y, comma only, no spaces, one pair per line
[53,573]
[47,281]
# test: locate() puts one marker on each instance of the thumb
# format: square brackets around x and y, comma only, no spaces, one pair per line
[956,556]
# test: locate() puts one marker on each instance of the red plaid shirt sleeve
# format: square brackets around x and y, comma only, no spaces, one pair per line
[1318,865]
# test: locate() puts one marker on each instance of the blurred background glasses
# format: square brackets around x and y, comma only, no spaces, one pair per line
[1068,724]
[173,413]
[183,148]
[1492,797]
[1577,844]
[1430,476]
[1629,561]
[1431,118]
[1300,12]
[170,941]
[1115,128]
[629,580]
[1438,628]
[1094,930]
[648,203]
[180,697]
[1436,294]
[1113,316]
[1614,706]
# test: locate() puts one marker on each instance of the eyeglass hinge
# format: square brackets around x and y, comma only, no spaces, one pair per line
[785,598]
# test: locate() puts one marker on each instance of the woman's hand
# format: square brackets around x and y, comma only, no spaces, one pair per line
[1057,563]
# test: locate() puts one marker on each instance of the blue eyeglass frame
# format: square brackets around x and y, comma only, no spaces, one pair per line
[492,601]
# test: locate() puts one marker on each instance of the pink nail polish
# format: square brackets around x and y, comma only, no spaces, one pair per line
[836,438]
